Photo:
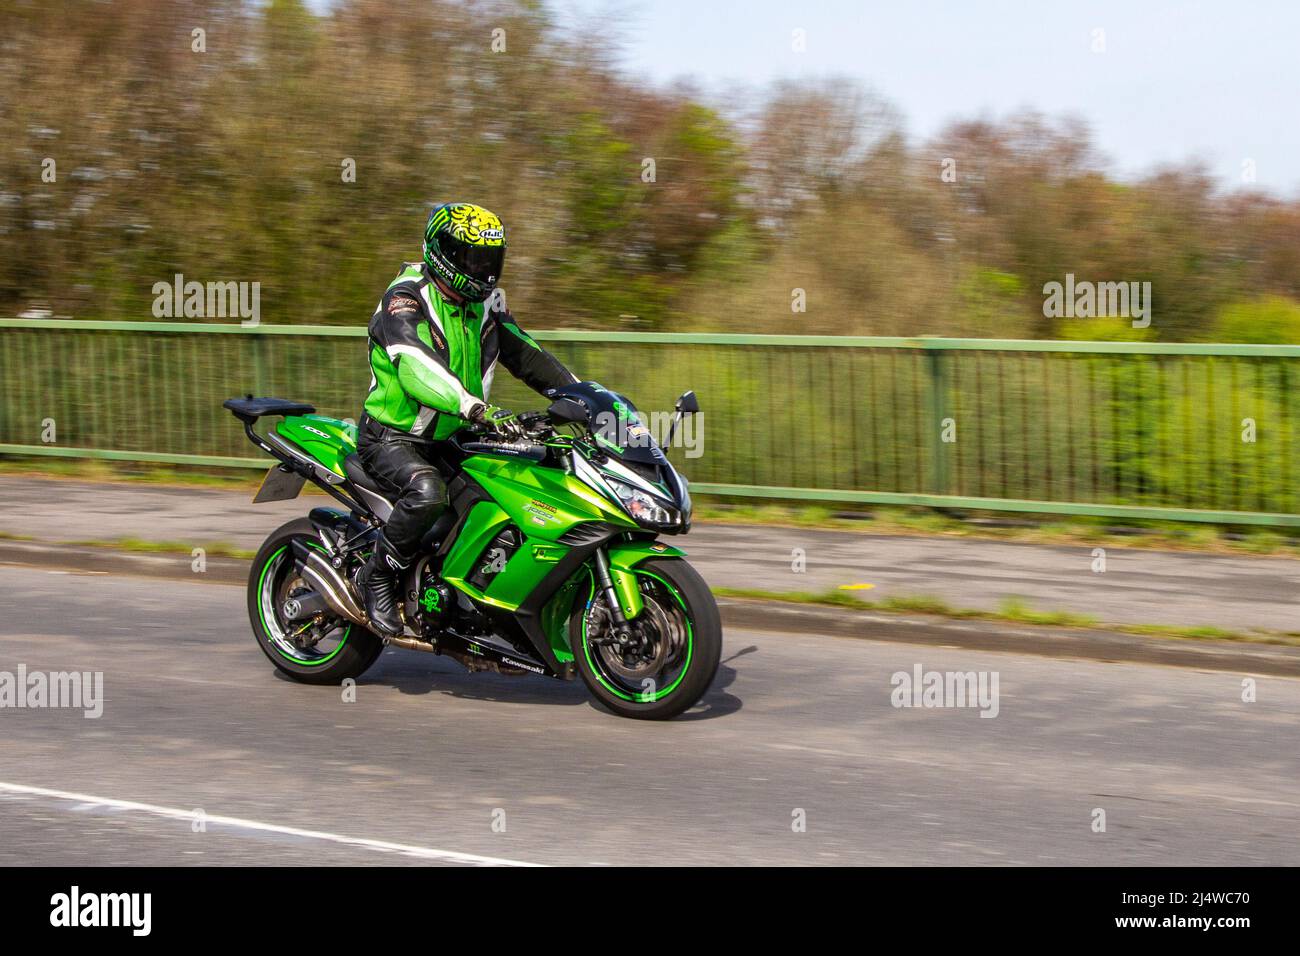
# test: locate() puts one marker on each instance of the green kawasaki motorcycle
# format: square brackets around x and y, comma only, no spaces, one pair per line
[546,561]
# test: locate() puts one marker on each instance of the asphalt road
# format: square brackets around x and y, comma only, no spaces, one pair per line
[1137,587]
[427,758]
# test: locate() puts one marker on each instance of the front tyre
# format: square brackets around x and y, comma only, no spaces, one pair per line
[673,656]
[325,649]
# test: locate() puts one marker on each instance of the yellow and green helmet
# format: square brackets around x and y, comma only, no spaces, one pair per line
[465,246]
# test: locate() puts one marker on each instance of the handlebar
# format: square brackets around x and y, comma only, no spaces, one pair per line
[537,427]
[515,449]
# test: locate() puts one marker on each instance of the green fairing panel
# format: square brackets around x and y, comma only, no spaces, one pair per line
[328,440]
[555,613]
[484,522]
[521,575]
[543,502]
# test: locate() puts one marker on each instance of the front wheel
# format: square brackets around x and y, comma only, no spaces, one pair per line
[672,653]
[322,649]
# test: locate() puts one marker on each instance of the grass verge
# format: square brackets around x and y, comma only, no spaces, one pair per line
[1011,610]
[1025,529]
[216,549]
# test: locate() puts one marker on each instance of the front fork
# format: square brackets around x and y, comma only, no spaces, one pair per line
[622,607]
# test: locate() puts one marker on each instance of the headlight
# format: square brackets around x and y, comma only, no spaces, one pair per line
[641,506]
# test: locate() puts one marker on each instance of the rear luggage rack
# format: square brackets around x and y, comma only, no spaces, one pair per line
[249,409]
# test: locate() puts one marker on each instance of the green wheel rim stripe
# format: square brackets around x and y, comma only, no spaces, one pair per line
[261,604]
[690,647]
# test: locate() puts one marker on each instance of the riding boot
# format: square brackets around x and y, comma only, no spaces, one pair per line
[381,587]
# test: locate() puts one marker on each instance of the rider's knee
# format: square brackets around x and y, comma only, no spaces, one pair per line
[426,491]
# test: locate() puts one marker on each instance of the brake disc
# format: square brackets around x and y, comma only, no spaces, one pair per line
[635,664]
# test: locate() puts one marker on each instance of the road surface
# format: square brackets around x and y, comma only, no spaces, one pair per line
[1137,587]
[419,768]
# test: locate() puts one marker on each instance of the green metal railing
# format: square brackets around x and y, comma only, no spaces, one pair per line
[1141,430]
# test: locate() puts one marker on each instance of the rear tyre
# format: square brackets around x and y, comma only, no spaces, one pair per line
[324,650]
[681,643]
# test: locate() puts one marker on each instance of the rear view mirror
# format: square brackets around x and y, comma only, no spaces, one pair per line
[567,410]
[688,404]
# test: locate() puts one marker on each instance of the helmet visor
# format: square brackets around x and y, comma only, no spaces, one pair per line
[480,263]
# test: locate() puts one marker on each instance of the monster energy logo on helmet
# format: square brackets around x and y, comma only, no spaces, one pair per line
[465,246]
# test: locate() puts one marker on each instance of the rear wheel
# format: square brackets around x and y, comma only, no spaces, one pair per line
[671,654]
[319,649]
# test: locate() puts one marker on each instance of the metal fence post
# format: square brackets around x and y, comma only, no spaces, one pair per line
[259,365]
[937,386]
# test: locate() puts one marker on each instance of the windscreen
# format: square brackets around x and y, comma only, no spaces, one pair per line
[614,420]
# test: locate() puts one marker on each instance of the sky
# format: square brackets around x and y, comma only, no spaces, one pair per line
[1215,81]
[1209,80]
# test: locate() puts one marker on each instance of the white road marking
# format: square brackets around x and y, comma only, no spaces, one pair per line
[87,802]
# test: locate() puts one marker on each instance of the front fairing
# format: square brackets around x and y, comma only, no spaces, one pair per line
[544,502]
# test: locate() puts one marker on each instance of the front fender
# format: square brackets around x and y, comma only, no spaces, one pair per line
[625,556]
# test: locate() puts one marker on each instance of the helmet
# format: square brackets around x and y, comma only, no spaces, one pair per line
[465,246]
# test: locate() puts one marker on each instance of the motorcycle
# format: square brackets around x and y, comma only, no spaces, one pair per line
[547,559]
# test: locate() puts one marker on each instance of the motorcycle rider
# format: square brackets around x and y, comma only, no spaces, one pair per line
[434,347]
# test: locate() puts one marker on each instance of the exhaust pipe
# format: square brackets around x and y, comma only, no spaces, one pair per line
[410,643]
[327,582]
[317,572]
